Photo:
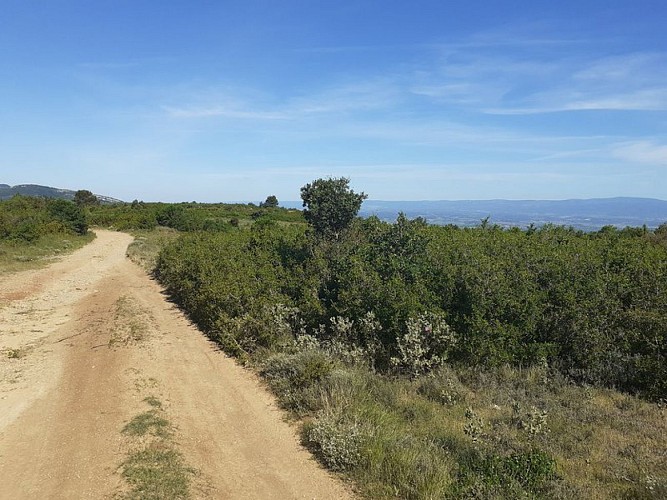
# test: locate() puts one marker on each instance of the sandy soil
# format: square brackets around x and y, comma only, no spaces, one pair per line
[83,342]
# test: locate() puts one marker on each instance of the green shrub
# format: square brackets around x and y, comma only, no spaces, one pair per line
[295,377]
[301,369]
[335,325]
[508,475]
[70,214]
[27,230]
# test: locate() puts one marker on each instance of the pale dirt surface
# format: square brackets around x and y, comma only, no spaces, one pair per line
[83,342]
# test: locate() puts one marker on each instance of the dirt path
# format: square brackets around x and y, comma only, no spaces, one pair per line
[83,343]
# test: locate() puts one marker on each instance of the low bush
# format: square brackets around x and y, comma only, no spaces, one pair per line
[336,441]
[425,345]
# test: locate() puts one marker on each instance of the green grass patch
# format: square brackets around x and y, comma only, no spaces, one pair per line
[154,469]
[149,422]
[147,244]
[157,472]
[18,255]
[153,401]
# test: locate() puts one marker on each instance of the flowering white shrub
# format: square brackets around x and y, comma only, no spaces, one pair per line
[425,345]
[338,442]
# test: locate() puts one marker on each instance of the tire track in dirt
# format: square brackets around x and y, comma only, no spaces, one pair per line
[83,375]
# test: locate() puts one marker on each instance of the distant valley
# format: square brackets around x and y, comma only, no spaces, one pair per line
[587,214]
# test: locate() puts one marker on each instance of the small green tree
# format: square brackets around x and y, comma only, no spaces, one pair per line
[69,214]
[83,198]
[271,202]
[330,205]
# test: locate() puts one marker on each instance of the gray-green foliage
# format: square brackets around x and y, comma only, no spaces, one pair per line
[336,440]
[426,344]
[295,377]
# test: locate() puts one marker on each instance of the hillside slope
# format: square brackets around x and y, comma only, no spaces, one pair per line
[7,191]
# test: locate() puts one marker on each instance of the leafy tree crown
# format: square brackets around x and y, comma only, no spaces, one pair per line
[271,202]
[330,205]
[84,197]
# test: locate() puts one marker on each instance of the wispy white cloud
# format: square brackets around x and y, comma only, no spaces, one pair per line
[579,154]
[379,93]
[631,82]
[221,111]
[541,75]
[650,99]
[478,74]
[641,100]
[467,94]
[433,111]
[637,68]
[355,97]
[642,152]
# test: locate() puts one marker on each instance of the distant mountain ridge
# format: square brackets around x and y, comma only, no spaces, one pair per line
[7,191]
[587,214]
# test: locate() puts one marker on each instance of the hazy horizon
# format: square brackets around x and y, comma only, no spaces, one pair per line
[291,203]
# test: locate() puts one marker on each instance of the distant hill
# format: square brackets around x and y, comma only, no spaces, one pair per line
[7,191]
[588,214]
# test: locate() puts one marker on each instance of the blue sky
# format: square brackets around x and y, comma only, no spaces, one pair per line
[235,100]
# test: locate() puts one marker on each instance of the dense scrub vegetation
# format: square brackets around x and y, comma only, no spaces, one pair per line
[444,361]
[33,230]
[213,217]
[593,306]
[26,219]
